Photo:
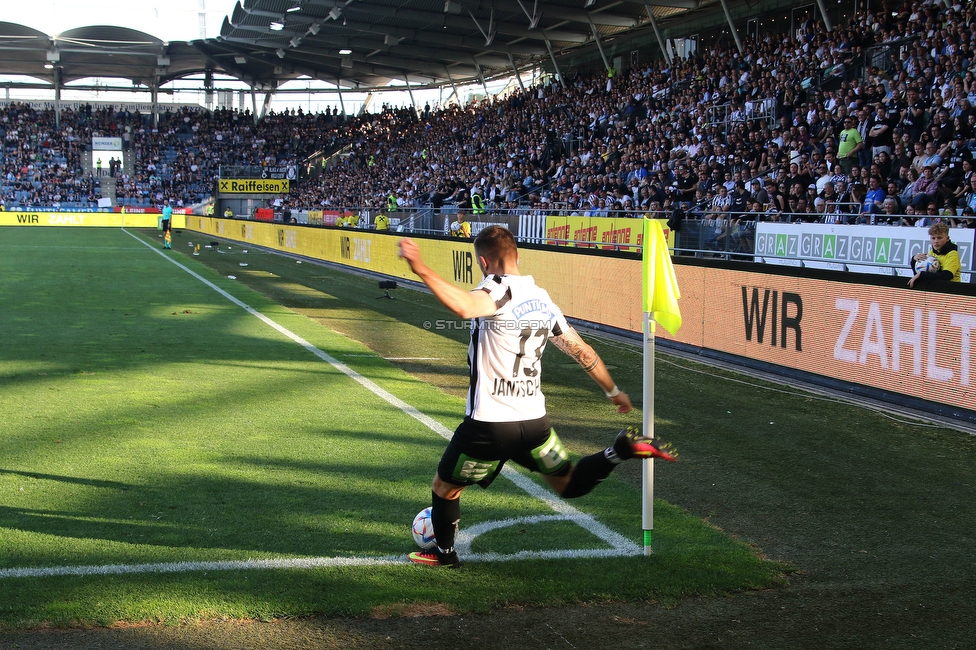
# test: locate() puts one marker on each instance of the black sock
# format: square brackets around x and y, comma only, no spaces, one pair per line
[445,515]
[587,474]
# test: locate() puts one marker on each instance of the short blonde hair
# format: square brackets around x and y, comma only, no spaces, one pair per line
[939,228]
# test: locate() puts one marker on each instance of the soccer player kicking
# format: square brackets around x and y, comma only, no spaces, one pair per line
[505,418]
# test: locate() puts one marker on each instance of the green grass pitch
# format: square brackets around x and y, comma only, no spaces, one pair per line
[149,421]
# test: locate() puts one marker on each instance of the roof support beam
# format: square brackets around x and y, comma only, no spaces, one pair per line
[823,14]
[268,96]
[481,77]
[533,17]
[735,33]
[421,52]
[678,4]
[599,46]
[490,34]
[518,75]
[449,40]
[461,23]
[600,16]
[57,97]
[451,79]
[341,103]
[559,74]
[232,69]
[406,80]
[657,33]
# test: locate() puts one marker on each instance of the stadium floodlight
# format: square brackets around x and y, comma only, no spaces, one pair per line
[280,52]
[277,26]
[162,61]
[345,51]
[53,56]
[335,12]
[292,10]
[295,42]
[240,60]
[314,28]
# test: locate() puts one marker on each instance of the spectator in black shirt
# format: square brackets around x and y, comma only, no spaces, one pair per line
[953,156]
[800,174]
[740,199]
[685,184]
[899,159]
[880,131]
[913,119]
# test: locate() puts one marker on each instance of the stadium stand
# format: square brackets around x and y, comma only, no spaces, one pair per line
[722,138]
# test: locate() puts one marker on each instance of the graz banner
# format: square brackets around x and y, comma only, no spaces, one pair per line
[891,246]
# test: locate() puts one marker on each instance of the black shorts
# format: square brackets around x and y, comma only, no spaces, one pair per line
[479,450]
[166,225]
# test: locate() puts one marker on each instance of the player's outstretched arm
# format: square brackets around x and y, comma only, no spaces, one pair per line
[466,304]
[573,344]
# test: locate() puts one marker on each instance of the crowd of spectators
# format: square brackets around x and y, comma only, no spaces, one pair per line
[694,136]
[41,164]
[182,156]
[790,129]
[178,158]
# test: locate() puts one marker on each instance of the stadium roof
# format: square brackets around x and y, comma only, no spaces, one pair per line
[358,44]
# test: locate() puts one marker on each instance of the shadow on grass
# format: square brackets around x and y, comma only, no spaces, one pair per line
[71,480]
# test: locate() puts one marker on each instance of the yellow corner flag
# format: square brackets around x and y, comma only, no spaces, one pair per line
[660,284]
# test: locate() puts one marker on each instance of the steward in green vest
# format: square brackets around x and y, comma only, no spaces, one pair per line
[477,203]
[391,203]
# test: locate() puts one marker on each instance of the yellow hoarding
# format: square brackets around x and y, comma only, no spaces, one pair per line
[604,233]
[87,219]
[253,186]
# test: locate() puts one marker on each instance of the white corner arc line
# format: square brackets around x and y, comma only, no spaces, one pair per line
[620,545]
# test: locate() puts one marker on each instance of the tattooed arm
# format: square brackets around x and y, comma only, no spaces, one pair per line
[573,345]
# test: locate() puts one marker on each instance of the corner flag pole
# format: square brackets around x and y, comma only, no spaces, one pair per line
[660,298]
[647,477]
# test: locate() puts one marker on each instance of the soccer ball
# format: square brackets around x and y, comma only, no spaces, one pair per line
[930,264]
[423,530]
[455,227]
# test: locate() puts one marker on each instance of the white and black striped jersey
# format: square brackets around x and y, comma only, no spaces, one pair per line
[505,353]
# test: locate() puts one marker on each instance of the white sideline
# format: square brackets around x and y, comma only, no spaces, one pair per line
[620,545]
